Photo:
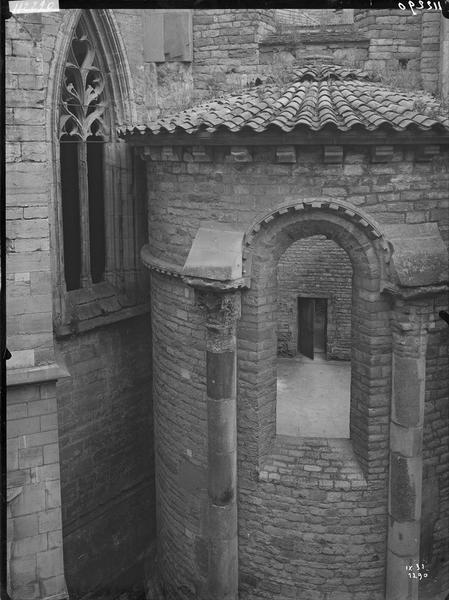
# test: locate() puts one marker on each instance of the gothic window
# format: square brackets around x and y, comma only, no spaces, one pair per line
[83,131]
[99,193]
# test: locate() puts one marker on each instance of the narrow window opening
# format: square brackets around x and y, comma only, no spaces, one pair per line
[71,213]
[314,340]
[95,151]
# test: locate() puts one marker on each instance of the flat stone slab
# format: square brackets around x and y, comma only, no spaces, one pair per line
[216,253]
[420,255]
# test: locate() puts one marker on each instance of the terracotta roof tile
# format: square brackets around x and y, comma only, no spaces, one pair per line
[316,96]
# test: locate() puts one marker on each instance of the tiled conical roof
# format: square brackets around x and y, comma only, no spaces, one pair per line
[313,97]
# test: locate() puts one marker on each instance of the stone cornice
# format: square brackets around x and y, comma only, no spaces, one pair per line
[40,374]
[413,293]
[165,268]
[159,265]
[301,136]
[216,286]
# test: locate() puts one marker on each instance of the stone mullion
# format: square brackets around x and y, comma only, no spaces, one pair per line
[223,311]
[406,461]
[83,182]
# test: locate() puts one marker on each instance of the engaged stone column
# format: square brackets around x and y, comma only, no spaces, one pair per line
[406,436]
[223,311]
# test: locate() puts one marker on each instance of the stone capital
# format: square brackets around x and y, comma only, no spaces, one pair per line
[222,309]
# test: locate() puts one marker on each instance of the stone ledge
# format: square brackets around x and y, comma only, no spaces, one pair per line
[29,375]
[122,314]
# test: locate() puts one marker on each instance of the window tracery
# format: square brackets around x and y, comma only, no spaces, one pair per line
[83,101]
[99,186]
[83,131]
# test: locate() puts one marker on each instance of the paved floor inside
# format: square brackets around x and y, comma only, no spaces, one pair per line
[313,397]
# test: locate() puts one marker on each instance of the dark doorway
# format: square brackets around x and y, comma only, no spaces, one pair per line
[312,326]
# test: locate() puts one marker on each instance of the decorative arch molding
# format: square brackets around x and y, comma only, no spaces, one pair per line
[349,226]
[348,210]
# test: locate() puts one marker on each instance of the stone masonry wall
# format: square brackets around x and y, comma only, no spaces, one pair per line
[181,447]
[226,47]
[430,50]
[34,541]
[315,266]
[290,516]
[443,87]
[106,463]
[34,528]
[320,530]
[107,473]
[156,85]
[435,502]
[400,191]
[30,331]
[395,36]
[341,44]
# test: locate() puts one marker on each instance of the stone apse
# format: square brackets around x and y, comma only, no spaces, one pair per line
[243,512]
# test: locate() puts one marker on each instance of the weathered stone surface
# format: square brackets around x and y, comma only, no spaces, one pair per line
[419,254]
[405,440]
[398,588]
[408,385]
[221,419]
[405,488]
[403,537]
[216,253]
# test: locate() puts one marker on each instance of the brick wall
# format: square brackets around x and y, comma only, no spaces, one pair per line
[290,518]
[315,267]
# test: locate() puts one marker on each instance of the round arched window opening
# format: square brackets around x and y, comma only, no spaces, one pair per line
[370,351]
[314,282]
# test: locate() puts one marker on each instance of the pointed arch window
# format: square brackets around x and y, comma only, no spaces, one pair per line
[99,184]
[84,128]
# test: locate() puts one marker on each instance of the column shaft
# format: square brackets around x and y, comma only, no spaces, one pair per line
[223,312]
[406,438]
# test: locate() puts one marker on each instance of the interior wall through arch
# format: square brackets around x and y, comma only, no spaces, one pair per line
[315,267]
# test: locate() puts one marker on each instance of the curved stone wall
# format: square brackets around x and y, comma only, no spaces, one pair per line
[312,514]
[180,425]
